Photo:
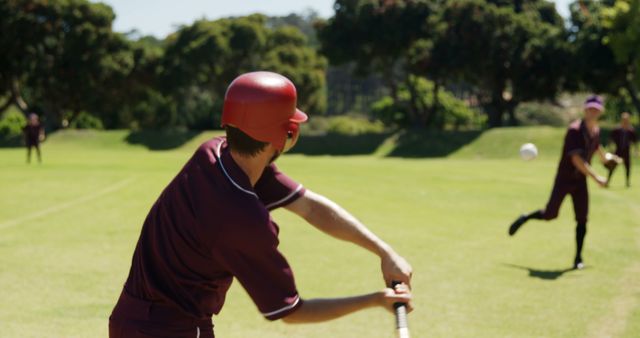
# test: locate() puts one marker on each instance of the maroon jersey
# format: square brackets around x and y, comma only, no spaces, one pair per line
[208,226]
[578,140]
[32,133]
[623,138]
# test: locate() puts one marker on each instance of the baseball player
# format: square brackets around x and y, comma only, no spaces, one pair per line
[623,137]
[33,135]
[212,224]
[581,141]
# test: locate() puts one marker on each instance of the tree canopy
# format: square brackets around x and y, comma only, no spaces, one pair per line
[413,63]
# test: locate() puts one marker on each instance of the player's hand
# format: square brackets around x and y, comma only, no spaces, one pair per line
[395,268]
[399,294]
[601,181]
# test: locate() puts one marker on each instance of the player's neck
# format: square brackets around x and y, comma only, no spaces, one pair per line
[252,166]
[591,124]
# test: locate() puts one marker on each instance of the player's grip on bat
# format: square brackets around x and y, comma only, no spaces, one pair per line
[402,325]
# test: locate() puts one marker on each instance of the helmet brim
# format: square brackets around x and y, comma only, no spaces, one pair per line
[299,117]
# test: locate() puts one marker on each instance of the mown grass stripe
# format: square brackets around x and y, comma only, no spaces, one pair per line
[58,207]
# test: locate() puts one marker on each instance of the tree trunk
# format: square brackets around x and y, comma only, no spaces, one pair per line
[6,105]
[393,86]
[517,6]
[17,96]
[495,109]
[73,117]
[495,116]
[414,114]
[511,109]
[433,110]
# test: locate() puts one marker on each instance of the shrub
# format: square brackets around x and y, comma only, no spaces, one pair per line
[536,113]
[11,124]
[390,113]
[615,105]
[354,125]
[451,112]
[155,111]
[343,125]
[86,121]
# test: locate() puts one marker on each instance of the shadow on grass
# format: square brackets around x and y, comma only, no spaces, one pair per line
[14,142]
[432,143]
[410,144]
[338,144]
[19,141]
[161,139]
[543,274]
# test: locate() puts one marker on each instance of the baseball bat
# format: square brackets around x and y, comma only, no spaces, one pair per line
[402,325]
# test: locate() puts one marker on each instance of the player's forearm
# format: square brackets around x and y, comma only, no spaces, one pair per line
[320,310]
[602,154]
[583,166]
[332,219]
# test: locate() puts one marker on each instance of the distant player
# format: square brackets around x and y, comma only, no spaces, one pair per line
[212,224]
[33,135]
[581,141]
[623,137]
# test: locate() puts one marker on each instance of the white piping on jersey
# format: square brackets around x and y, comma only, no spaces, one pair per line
[285,198]
[198,332]
[218,155]
[288,307]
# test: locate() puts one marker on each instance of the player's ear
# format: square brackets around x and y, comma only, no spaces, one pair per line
[293,133]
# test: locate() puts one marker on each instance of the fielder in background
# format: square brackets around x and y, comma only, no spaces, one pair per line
[33,135]
[623,137]
[212,224]
[581,141]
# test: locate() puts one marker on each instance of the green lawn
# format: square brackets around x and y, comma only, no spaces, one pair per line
[68,228]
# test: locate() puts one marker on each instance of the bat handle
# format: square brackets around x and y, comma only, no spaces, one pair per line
[402,326]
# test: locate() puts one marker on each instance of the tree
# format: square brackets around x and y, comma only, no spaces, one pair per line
[622,22]
[21,43]
[140,103]
[508,57]
[304,22]
[375,36]
[593,64]
[202,59]
[288,54]
[58,55]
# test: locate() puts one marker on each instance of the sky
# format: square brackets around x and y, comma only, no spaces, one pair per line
[161,17]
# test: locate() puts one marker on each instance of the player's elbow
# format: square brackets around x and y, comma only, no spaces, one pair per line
[577,160]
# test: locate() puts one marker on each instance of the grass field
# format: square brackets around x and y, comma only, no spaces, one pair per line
[68,229]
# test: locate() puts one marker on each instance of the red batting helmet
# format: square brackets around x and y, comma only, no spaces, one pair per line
[263,106]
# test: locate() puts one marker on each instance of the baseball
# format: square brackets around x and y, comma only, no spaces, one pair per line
[528,151]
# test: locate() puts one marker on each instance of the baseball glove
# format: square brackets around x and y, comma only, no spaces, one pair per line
[611,161]
[610,164]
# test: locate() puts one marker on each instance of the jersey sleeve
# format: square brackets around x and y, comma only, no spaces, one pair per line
[275,189]
[254,260]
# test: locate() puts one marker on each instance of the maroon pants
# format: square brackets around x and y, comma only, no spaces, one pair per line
[627,165]
[579,194]
[135,318]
